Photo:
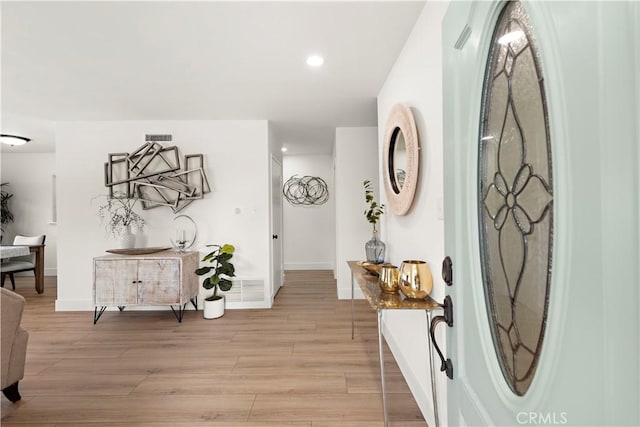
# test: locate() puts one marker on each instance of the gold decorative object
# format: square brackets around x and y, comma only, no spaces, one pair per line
[371,268]
[389,278]
[415,279]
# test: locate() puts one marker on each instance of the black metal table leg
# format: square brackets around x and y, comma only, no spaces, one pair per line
[180,312]
[194,301]
[97,314]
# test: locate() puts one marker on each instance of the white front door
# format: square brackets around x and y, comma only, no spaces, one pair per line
[276,226]
[541,122]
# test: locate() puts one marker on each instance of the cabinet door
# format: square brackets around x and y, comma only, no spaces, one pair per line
[115,282]
[159,281]
[190,284]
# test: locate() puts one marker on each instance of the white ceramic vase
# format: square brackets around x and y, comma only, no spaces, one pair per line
[127,239]
[213,309]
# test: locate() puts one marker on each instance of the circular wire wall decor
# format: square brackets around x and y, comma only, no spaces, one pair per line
[305,191]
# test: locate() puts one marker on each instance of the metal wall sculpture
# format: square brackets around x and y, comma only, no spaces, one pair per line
[153,174]
[305,191]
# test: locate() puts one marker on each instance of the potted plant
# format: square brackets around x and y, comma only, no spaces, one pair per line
[120,216]
[7,215]
[218,276]
[375,247]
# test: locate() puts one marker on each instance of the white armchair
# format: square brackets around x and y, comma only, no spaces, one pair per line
[21,263]
[14,343]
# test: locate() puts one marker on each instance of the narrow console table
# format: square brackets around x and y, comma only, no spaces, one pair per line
[162,278]
[380,301]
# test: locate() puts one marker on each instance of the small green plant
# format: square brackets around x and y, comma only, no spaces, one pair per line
[7,215]
[375,210]
[119,214]
[220,271]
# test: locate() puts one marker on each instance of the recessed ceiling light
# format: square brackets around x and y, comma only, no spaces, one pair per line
[315,61]
[13,139]
[284,149]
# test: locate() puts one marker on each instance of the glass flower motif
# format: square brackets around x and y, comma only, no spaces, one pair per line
[526,199]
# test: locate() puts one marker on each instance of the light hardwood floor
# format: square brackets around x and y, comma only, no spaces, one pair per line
[293,365]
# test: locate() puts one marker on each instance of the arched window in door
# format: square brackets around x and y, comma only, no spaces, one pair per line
[515,197]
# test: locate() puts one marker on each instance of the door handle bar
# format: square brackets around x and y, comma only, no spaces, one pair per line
[446,365]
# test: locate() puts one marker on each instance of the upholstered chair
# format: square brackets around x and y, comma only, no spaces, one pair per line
[14,343]
[21,263]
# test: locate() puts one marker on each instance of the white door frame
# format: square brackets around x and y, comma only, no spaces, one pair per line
[275,286]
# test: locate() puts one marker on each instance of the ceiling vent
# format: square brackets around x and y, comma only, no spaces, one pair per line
[157,138]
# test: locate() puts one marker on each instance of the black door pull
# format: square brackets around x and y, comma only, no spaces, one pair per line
[447,271]
[446,365]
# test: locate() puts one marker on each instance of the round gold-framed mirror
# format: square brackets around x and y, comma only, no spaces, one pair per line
[401,159]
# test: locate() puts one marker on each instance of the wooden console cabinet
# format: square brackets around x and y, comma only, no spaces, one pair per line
[163,278]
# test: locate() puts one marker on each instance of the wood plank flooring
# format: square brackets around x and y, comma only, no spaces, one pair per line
[292,366]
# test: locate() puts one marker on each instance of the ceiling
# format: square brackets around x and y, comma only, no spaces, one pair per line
[76,61]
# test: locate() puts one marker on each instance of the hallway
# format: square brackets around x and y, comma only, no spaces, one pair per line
[293,365]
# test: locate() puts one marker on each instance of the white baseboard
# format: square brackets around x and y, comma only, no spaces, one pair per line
[345,293]
[308,266]
[247,305]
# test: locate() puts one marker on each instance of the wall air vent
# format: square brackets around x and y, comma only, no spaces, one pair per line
[245,293]
[157,138]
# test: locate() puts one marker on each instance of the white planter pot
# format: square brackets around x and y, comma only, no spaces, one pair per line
[214,309]
[127,239]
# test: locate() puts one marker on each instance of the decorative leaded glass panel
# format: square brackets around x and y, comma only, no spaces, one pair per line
[516,197]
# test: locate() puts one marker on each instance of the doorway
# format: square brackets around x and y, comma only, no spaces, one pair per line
[277,279]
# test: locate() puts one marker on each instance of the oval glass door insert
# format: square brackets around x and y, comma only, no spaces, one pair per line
[515,197]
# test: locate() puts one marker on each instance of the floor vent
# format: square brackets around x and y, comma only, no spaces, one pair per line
[245,291]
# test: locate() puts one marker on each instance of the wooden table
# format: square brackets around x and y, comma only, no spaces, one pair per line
[8,251]
[380,301]
[39,251]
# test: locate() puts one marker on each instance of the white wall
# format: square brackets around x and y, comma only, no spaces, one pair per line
[275,144]
[356,160]
[237,161]
[416,80]
[30,181]
[309,231]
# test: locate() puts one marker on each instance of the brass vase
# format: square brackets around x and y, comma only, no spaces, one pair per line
[389,278]
[415,279]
